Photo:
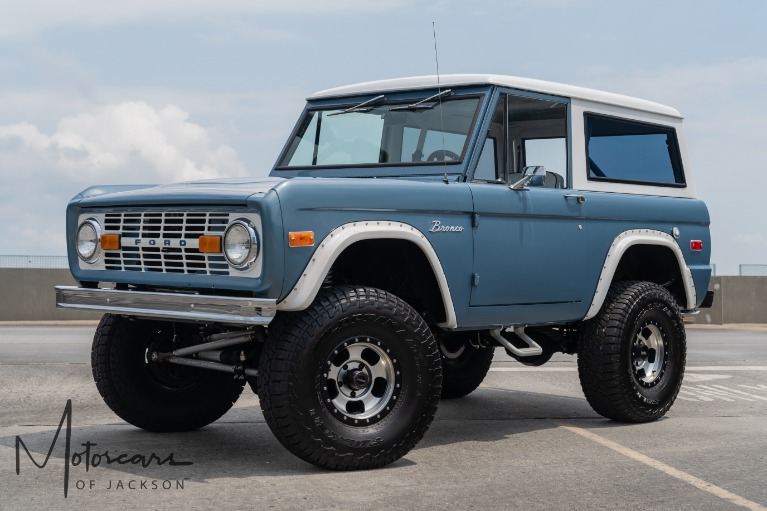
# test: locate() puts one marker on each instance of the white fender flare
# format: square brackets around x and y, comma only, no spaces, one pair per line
[305,290]
[622,243]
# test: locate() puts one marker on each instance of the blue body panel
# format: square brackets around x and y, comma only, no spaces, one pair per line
[522,257]
[541,254]
[321,205]
[266,204]
[216,191]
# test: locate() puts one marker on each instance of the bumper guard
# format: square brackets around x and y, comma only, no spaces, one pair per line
[178,306]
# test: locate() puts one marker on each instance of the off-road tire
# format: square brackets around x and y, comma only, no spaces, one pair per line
[463,370]
[159,397]
[611,348]
[305,352]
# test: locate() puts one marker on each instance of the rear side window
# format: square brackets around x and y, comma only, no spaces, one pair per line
[631,151]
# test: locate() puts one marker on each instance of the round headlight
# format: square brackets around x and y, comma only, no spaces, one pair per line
[87,240]
[240,244]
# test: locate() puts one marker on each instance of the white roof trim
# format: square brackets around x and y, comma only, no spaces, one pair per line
[513,82]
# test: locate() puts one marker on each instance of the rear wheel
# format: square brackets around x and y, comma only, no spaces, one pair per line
[352,382]
[464,366]
[631,356]
[156,396]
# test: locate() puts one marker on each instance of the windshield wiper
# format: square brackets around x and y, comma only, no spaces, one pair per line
[365,106]
[420,105]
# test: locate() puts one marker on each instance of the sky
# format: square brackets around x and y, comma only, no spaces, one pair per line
[95,92]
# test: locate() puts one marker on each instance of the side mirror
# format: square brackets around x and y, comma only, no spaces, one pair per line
[534,176]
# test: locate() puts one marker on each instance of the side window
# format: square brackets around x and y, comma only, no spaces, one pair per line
[537,131]
[491,161]
[525,132]
[548,152]
[632,151]
[487,167]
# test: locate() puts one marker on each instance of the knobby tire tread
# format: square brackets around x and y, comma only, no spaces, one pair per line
[604,375]
[289,335]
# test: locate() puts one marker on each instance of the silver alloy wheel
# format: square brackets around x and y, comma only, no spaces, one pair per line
[362,381]
[648,354]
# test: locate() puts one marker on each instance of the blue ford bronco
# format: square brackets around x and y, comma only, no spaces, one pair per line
[408,229]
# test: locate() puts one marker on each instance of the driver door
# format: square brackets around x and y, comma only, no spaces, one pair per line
[526,240]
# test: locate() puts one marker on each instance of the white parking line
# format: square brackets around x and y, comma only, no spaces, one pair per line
[740,392]
[683,392]
[534,369]
[754,387]
[668,470]
[725,394]
[696,378]
[572,368]
[726,368]
[714,392]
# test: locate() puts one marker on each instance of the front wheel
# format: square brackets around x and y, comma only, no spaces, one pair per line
[156,396]
[352,382]
[631,356]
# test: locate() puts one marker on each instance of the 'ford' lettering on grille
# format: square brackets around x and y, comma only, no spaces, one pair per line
[157,242]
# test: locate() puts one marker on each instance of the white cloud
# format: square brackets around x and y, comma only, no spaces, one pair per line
[127,142]
[32,16]
[129,136]
[256,123]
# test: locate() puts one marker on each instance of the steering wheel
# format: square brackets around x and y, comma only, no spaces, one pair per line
[442,154]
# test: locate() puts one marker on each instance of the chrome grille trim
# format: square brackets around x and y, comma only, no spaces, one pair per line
[164,241]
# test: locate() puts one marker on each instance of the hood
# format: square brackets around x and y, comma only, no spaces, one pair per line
[211,191]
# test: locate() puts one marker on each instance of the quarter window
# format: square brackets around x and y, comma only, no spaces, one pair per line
[631,151]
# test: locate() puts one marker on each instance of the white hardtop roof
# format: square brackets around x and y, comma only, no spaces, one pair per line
[512,82]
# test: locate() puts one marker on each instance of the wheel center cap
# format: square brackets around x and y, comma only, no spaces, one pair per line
[357,379]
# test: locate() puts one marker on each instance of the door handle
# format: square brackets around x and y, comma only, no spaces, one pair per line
[580,198]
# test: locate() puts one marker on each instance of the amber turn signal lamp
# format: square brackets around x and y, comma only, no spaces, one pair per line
[110,241]
[210,244]
[301,239]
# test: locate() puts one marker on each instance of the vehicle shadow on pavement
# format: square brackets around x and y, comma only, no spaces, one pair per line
[240,445]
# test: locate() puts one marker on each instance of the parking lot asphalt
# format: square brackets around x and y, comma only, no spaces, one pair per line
[526,439]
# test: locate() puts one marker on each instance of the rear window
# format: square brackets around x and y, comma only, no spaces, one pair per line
[631,151]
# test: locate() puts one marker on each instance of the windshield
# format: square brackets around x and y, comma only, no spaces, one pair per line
[379,133]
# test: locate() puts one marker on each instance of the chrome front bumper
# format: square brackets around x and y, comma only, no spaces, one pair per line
[185,307]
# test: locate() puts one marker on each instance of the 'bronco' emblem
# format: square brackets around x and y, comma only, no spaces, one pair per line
[436,226]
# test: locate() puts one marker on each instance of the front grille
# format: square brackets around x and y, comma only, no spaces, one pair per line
[168,232]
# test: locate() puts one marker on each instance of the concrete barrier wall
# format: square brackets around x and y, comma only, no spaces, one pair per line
[28,295]
[736,300]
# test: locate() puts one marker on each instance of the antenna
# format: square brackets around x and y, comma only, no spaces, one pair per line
[439,91]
